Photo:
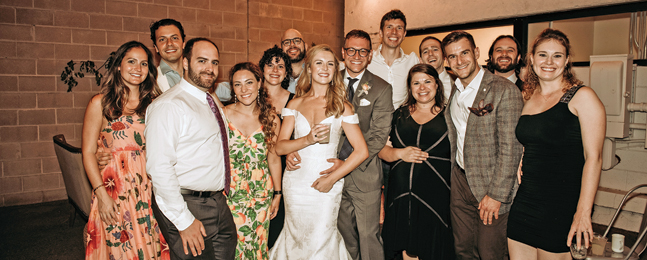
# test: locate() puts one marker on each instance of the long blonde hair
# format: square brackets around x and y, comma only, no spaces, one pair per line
[336,93]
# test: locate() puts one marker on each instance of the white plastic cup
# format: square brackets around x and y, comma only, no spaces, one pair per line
[327,139]
[618,243]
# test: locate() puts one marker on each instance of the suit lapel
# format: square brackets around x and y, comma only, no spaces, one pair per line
[484,88]
[366,78]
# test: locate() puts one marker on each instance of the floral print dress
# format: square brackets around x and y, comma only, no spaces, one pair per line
[250,194]
[137,234]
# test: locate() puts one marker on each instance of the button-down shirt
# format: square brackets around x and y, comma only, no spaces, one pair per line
[513,78]
[396,74]
[293,81]
[447,84]
[184,149]
[172,77]
[359,77]
[463,99]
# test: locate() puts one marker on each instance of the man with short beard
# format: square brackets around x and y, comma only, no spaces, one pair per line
[431,53]
[168,38]
[188,161]
[504,59]
[294,46]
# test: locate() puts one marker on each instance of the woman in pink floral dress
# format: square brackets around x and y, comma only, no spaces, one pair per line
[253,128]
[121,224]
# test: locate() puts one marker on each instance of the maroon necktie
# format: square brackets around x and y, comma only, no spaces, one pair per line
[223,138]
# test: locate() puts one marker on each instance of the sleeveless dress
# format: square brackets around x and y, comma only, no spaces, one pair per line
[417,204]
[137,235]
[542,211]
[310,228]
[250,192]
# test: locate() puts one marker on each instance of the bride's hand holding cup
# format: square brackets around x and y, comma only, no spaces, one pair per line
[317,133]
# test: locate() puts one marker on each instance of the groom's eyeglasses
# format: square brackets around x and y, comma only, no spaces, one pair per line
[351,52]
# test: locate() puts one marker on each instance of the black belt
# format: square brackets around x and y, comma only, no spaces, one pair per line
[201,194]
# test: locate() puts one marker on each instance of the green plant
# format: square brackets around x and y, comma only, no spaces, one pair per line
[69,75]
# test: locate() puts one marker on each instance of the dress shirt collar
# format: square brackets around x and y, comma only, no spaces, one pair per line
[165,68]
[513,78]
[475,84]
[378,55]
[193,91]
[359,77]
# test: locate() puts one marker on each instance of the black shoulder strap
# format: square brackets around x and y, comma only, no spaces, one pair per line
[569,94]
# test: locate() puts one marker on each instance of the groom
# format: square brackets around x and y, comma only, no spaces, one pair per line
[359,214]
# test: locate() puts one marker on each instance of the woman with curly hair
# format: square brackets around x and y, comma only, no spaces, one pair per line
[562,129]
[121,224]
[317,116]
[255,168]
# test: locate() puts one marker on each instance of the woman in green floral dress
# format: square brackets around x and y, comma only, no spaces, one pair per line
[253,129]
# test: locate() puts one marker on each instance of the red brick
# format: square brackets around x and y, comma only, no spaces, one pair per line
[223,33]
[78,135]
[241,6]
[196,30]
[8,49]
[17,100]
[37,83]
[90,6]
[303,3]
[281,24]
[71,19]
[256,21]
[188,15]
[40,182]
[18,134]
[8,83]
[75,52]
[81,100]
[108,22]
[50,164]
[100,53]
[70,115]
[227,59]
[35,50]
[169,2]
[283,2]
[21,3]
[23,198]
[46,132]
[37,150]
[16,32]
[152,11]
[137,24]
[199,4]
[17,66]
[254,8]
[53,34]
[241,33]
[254,34]
[232,19]
[313,16]
[8,117]
[259,47]
[34,16]
[9,151]
[213,18]
[271,35]
[242,57]
[303,26]
[10,185]
[55,100]
[234,45]
[119,38]
[89,37]
[36,117]
[268,10]
[52,4]
[47,67]
[54,195]
[122,8]
[223,5]
[7,14]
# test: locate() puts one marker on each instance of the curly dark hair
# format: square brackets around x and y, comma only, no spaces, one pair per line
[439,98]
[264,106]
[115,92]
[532,80]
[275,54]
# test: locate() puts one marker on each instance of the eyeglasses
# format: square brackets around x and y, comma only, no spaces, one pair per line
[362,52]
[287,42]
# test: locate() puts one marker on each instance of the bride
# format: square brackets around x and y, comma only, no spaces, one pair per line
[312,200]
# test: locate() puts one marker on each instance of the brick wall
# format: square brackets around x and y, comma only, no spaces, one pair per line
[38,37]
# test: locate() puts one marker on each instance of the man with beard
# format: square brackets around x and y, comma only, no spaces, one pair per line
[431,52]
[504,58]
[481,119]
[188,161]
[168,38]
[389,61]
[294,46]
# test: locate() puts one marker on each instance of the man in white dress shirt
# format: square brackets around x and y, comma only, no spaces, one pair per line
[168,39]
[431,52]
[389,61]
[187,160]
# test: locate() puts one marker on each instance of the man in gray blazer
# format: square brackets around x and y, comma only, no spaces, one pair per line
[482,116]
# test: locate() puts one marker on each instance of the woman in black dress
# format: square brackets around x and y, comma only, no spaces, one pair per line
[562,128]
[416,223]
[276,66]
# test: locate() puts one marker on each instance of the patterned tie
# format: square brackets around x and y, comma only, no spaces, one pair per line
[346,149]
[223,138]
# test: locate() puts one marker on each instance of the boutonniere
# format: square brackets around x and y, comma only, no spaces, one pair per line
[482,109]
[365,88]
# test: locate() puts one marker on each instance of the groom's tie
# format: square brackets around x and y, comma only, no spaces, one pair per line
[346,148]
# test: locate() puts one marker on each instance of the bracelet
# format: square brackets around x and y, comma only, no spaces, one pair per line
[278,192]
[95,189]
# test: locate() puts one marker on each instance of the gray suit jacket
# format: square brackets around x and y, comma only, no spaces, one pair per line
[491,151]
[375,123]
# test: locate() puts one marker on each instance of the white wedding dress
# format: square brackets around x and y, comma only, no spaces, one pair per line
[310,229]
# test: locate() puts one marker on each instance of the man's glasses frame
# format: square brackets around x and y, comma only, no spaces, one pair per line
[362,52]
[287,42]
